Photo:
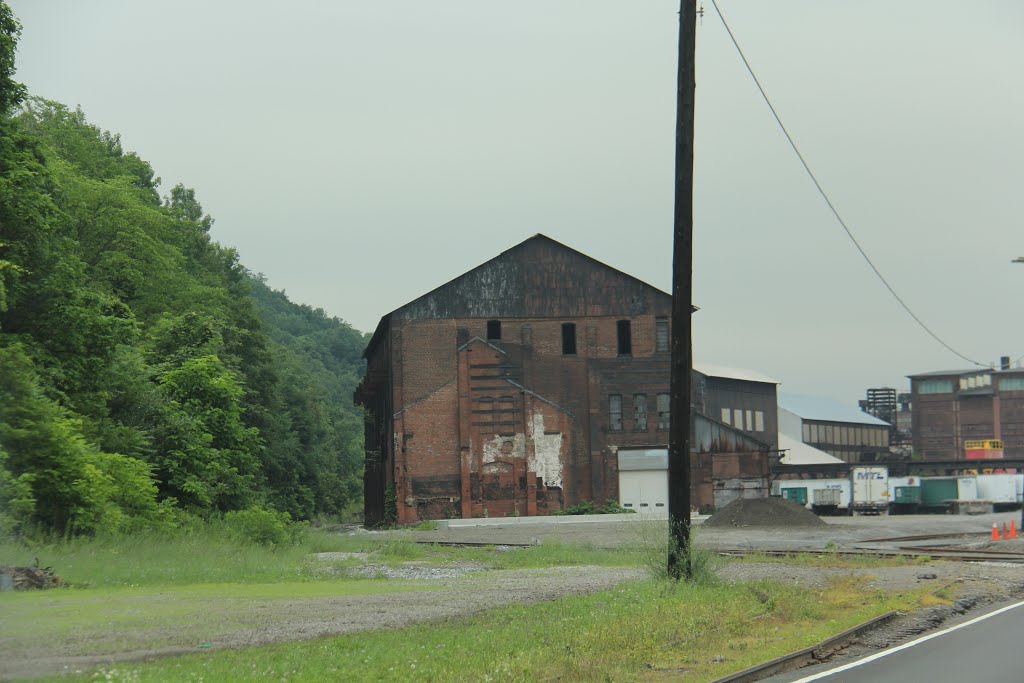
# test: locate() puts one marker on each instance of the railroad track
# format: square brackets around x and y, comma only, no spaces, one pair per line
[940,552]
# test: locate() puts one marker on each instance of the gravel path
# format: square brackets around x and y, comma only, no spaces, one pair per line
[237,623]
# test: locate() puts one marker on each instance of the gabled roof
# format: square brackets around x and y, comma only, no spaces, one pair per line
[523,278]
[825,410]
[539,238]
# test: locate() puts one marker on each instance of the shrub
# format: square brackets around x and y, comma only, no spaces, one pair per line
[584,507]
[612,507]
[390,505]
[265,527]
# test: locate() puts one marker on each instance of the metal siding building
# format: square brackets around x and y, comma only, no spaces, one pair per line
[842,431]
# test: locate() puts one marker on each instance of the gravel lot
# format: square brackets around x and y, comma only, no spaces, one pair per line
[237,623]
[462,589]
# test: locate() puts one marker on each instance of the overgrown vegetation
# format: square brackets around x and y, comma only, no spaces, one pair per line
[221,550]
[147,379]
[587,507]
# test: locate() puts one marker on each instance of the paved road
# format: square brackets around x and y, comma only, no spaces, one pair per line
[980,650]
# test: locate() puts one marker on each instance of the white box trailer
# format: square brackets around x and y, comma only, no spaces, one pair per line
[870,489]
[967,488]
[1001,489]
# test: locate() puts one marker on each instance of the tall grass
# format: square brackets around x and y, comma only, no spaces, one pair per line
[653,545]
[203,554]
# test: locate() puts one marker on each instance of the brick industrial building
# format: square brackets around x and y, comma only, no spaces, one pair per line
[512,389]
[953,407]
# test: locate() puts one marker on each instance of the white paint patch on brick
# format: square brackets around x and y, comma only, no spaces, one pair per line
[547,452]
[495,449]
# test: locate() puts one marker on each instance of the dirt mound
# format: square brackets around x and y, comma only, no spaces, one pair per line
[763,512]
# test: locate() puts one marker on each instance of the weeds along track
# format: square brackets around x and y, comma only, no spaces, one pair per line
[940,553]
[936,552]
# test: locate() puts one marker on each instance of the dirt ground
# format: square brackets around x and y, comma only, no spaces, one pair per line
[461,590]
[251,622]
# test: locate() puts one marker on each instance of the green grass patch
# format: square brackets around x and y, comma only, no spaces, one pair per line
[203,555]
[645,631]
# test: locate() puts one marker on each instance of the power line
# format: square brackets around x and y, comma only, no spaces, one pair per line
[828,201]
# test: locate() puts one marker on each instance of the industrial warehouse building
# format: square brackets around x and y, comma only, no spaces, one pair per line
[538,380]
[843,432]
[951,409]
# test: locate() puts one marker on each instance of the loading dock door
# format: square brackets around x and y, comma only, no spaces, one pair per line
[643,479]
[644,490]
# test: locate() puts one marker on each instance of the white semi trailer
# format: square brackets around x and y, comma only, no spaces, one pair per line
[870,489]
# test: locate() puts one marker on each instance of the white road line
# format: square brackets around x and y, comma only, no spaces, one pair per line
[886,653]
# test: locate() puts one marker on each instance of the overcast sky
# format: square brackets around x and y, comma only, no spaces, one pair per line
[361,153]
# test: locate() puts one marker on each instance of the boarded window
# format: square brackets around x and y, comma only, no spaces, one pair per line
[615,412]
[737,418]
[493,329]
[664,411]
[661,339]
[640,412]
[758,421]
[750,421]
[807,433]
[625,338]
[726,416]
[568,339]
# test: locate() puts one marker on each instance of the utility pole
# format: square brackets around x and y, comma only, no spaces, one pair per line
[682,303]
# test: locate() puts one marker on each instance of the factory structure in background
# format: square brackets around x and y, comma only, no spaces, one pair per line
[540,380]
[974,414]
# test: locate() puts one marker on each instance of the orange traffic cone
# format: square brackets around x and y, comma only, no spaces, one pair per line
[1013,529]
[995,532]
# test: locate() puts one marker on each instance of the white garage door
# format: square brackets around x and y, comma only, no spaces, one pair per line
[644,490]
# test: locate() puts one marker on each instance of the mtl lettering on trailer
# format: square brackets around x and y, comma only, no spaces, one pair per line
[869,474]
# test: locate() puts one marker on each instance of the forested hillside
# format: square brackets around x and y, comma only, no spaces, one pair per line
[145,375]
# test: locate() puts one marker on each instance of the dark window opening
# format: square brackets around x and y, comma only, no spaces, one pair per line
[493,329]
[625,338]
[661,339]
[615,412]
[568,339]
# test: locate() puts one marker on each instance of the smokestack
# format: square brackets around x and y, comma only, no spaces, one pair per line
[1004,362]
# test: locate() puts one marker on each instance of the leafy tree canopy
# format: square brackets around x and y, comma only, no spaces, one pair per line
[144,372]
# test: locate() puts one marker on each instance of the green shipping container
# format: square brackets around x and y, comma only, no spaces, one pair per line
[907,495]
[935,492]
[797,495]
